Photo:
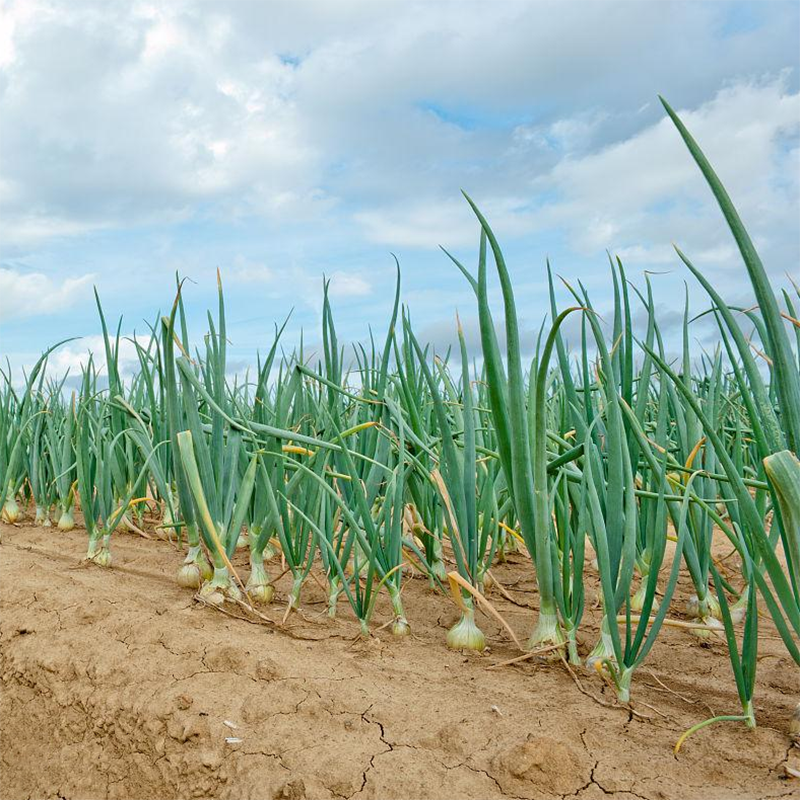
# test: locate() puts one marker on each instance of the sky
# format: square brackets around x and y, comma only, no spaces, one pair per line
[280,142]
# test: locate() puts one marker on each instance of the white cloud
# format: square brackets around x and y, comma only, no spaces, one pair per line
[347,285]
[29,229]
[295,282]
[74,356]
[638,195]
[113,115]
[28,294]
[122,114]
[449,222]
[139,138]
[13,15]
[249,272]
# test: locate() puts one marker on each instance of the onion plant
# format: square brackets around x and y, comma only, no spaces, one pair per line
[774,433]
[457,483]
[99,482]
[38,467]
[195,568]
[220,490]
[60,428]
[521,443]
[16,417]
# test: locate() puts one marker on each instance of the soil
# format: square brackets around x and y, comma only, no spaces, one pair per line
[117,684]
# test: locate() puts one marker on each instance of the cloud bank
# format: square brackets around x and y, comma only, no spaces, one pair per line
[282,142]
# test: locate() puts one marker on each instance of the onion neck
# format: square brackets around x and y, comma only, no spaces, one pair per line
[294,595]
[571,633]
[739,608]
[258,586]
[622,680]
[269,551]
[334,590]
[704,608]
[749,714]
[638,598]
[548,629]
[604,649]
[436,560]
[94,544]
[484,578]
[400,626]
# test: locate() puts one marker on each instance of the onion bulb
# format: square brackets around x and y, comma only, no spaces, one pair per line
[637,599]
[195,569]
[103,558]
[219,588]
[465,634]
[258,587]
[705,611]
[604,649]
[11,512]
[547,631]
[66,522]
[400,626]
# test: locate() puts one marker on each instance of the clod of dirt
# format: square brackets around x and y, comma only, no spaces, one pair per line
[291,790]
[228,658]
[267,669]
[542,764]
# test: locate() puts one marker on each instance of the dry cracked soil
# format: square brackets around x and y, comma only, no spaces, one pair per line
[117,684]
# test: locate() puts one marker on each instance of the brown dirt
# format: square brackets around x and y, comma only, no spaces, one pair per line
[115,684]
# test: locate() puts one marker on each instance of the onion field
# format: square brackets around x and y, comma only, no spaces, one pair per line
[605,465]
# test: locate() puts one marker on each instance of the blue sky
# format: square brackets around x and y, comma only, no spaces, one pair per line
[282,141]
